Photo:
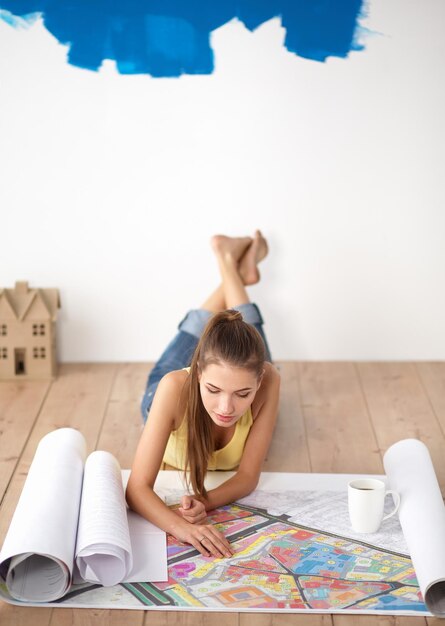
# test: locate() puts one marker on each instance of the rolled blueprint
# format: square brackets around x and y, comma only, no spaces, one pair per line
[36,560]
[65,496]
[410,471]
[103,547]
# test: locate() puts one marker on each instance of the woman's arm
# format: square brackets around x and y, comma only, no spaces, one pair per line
[264,411]
[149,454]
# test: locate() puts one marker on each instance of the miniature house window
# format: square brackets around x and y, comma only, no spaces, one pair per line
[38,329]
[3,330]
[3,353]
[39,353]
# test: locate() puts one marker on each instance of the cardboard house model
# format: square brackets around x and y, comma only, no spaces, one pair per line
[28,332]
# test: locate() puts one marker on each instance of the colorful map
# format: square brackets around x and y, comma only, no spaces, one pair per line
[279,564]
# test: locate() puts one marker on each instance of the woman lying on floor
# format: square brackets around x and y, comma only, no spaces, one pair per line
[211,403]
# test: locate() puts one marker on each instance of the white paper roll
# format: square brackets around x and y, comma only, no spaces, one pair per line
[36,559]
[410,471]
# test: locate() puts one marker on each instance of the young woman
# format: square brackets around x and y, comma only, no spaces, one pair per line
[219,413]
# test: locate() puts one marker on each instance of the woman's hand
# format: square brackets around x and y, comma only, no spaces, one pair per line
[192,510]
[205,538]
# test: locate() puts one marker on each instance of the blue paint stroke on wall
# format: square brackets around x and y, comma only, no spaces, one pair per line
[167,38]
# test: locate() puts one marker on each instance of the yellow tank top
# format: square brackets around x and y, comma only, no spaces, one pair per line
[227,458]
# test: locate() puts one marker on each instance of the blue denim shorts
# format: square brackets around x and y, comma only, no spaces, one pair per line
[179,352]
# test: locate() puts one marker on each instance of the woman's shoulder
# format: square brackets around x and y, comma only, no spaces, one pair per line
[177,376]
[171,387]
[270,386]
[173,381]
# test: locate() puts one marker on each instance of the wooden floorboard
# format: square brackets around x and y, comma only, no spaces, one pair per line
[341,438]
[378,620]
[288,451]
[20,403]
[400,408]
[432,377]
[333,417]
[98,617]
[190,618]
[122,424]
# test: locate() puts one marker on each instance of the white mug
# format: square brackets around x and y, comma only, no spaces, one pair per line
[366,499]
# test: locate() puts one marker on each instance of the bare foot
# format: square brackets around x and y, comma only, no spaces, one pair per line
[232,247]
[253,255]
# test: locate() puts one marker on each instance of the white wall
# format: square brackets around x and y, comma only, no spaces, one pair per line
[112,185]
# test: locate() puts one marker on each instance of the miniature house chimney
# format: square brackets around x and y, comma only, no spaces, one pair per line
[21,287]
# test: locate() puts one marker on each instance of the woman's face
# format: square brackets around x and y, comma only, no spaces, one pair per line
[227,392]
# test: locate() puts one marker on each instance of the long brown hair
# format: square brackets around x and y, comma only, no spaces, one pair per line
[227,338]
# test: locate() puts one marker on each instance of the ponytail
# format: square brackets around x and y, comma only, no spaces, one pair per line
[227,338]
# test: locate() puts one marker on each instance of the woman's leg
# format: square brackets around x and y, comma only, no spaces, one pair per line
[237,259]
[236,273]
[234,252]
[238,268]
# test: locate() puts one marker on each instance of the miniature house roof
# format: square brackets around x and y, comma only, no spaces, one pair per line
[25,303]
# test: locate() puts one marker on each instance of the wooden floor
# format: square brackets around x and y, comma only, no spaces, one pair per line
[334,417]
